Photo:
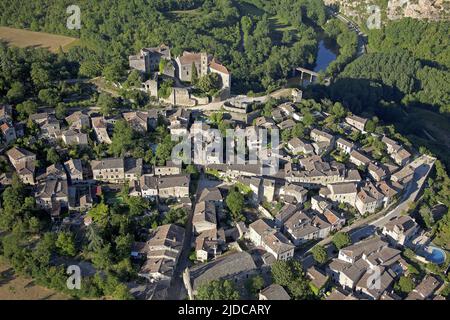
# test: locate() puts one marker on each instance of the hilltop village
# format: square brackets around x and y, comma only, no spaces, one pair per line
[336,211]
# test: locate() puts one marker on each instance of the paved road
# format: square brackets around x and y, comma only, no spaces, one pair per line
[362,38]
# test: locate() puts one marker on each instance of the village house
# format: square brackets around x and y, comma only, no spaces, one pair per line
[274,242]
[318,280]
[344,145]
[142,121]
[404,176]
[369,199]
[426,288]
[356,263]
[176,186]
[277,115]
[24,163]
[264,122]
[274,292]
[290,192]
[8,132]
[205,217]
[377,172]
[287,108]
[236,267]
[285,213]
[297,146]
[39,118]
[359,159]
[341,193]
[148,186]
[78,120]
[71,137]
[396,151]
[116,170]
[208,244]
[401,230]
[338,295]
[148,60]
[162,252]
[286,124]
[322,136]
[19,156]
[320,204]
[54,171]
[169,169]
[356,122]
[389,191]
[49,125]
[74,169]
[52,195]
[318,172]
[204,65]
[301,227]
[101,130]
[336,220]
[323,141]
[268,190]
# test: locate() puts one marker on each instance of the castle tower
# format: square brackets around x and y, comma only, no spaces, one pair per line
[203,64]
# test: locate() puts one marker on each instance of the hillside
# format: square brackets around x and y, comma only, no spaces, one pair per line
[433,10]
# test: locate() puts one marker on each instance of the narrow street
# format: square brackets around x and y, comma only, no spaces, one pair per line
[177,291]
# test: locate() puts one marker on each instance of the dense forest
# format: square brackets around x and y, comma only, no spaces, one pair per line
[403,80]
[258,41]
[402,66]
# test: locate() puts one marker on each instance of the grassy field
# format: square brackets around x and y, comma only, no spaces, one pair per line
[13,287]
[24,38]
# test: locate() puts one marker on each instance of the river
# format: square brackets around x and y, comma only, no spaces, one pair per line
[325,56]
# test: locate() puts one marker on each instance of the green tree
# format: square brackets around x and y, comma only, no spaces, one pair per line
[218,290]
[308,119]
[40,75]
[16,93]
[26,108]
[65,243]
[289,274]
[235,202]
[99,213]
[319,254]
[122,139]
[341,240]
[106,103]
[255,284]
[52,155]
[338,110]
[49,96]
[61,111]
[194,74]
[178,216]
[123,245]
[404,285]
[113,72]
